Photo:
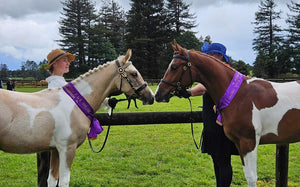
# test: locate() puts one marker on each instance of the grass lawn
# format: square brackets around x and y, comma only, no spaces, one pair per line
[148,155]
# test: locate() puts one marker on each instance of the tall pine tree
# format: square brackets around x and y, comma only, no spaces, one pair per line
[77,19]
[180,17]
[293,22]
[151,27]
[100,48]
[84,36]
[112,17]
[146,36]
[268,37]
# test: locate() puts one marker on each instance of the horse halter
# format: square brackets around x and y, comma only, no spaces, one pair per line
[187,66]
[123,74]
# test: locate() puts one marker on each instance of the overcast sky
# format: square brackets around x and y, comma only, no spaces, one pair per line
[29,31]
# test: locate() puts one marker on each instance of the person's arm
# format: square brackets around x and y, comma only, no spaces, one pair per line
[199,89]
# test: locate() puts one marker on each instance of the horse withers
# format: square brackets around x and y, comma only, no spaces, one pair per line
[253,111]
[50,119]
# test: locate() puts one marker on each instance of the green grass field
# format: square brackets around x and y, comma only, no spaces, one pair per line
[147,155]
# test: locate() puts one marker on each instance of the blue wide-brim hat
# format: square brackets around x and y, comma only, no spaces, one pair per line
[217,48]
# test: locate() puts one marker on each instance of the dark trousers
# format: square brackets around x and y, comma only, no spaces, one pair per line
[223,170]
[43,166]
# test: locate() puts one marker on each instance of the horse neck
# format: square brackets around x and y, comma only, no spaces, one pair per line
[214,75]
[97,84]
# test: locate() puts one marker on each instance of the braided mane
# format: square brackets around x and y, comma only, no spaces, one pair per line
[101,66]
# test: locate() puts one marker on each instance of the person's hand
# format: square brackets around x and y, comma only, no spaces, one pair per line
[183,93]
[198,90]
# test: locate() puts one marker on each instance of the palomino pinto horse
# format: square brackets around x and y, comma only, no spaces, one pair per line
[50,119]
[260,112]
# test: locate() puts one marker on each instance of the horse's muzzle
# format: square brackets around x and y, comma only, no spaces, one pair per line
[146,96]
[162,97]
[148,101]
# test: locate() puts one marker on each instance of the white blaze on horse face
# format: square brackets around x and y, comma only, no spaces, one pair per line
[288,98]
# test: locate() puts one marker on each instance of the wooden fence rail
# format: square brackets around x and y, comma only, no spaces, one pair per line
[142,118]
[151,118]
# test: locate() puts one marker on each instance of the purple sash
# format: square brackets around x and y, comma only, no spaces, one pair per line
[85,108]
[229,93]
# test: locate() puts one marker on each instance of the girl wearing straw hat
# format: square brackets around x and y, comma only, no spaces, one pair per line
[58,64]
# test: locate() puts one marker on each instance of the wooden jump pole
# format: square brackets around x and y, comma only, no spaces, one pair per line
[142,118]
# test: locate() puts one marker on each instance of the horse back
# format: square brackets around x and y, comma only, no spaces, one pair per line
[268,109]
[28,120]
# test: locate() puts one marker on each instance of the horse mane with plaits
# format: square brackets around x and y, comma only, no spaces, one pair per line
[91,71]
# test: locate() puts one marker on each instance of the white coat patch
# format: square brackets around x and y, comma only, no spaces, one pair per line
[288,95]
[32,112]
[62,116]
[84,87]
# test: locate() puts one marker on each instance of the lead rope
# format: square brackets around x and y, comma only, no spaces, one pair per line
[106,136]
[112,103]
[192,127]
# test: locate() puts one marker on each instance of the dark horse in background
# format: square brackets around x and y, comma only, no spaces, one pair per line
[259,112]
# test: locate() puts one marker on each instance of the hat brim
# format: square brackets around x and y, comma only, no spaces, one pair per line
[217,51]
[70,56]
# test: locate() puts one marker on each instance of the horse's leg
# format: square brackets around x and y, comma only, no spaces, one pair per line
[43,166]
[250,167]
[54,168]
[65,159]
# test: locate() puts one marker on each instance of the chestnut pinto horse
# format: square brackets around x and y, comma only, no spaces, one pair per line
[50,119]
[261,112]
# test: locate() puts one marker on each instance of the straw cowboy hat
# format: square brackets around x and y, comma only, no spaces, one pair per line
[56,54]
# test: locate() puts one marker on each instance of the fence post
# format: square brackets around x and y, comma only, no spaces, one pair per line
[282,165]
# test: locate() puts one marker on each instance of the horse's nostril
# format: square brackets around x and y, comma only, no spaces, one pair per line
[152,101]
[157,97]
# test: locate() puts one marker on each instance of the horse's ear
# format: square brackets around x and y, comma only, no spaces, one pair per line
[174,45]
[178,47]
[128,55]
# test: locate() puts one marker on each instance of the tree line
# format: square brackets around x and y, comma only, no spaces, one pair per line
[278,49]
[148,28]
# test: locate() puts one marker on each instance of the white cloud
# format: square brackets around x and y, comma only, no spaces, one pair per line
[229,24]
[31,37]
[20,8]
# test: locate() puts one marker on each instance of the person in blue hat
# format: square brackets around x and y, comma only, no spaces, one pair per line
[214,142]
[218,51]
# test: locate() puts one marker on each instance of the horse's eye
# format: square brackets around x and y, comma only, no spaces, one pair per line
[173,68]
[134,74]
